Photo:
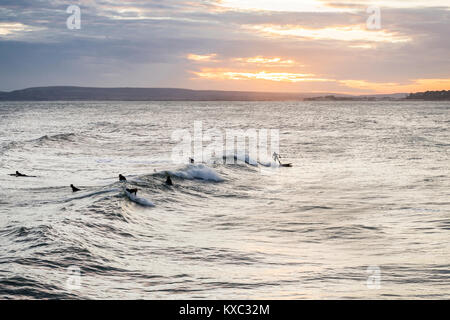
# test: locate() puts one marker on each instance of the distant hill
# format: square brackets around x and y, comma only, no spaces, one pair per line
[71,93]
[67,93]
[430,95]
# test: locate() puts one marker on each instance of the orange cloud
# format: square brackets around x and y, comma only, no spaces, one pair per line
[279,5]
[390,87]
[343,33]
[220,74]
[202,58]
[323,5]
[260,60]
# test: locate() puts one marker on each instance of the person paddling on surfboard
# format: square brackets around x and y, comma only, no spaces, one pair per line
[18,174]
[122,178]
[132,191]
[74,189]
[169,181]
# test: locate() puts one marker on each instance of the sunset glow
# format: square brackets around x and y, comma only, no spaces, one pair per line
[261,75]
[280,5]
[323,5]
[232,157]
[7,28]
[198,57]
[252,45]
[260,60]
[346,33]
[416,85]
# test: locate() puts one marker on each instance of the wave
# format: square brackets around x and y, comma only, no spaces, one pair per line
[9,145]
[142,201]
[37,232]
[46,139]
[91,194]
[197,171]
[23,287]
[239,158]
[245,158]
[62,137]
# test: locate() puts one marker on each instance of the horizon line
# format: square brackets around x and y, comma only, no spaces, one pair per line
[212,90]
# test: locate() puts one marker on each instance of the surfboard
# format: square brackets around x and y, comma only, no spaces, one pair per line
[21,176]
[138,200]
[286,165]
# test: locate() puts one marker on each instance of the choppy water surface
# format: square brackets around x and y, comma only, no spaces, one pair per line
[370,187]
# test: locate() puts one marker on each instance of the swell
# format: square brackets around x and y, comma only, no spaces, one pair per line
[62,137]
[98,221]
[46,140]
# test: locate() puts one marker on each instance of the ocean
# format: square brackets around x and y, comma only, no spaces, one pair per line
[363,213]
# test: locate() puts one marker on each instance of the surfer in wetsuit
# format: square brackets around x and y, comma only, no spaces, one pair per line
[18,174]
[169,181]
[74,189]
[191,160]
[277,157]
[122,178]
[135,190]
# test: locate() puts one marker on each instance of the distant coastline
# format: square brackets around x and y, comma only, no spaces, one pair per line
[430,95]
[72,93]
[443,95]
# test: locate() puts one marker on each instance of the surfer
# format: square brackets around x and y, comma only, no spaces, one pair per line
[74,189]
[135,190]
[277,157]
[169,181]
[18,174]
[191,160]
[122,178]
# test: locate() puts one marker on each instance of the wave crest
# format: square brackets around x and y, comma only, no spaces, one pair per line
[198,171]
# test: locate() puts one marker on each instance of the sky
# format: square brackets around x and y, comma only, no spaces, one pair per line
[336,46]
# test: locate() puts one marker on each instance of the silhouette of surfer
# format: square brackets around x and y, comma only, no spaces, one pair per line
[74,189]
[169,181]
[277,157]
[132,191]
[18,174]
[191,160]
[122,178]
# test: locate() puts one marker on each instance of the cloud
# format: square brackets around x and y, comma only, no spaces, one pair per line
[266,61]
[219,74]
[202,58]
[413,86]
[386,3]
[342,33]
[269,45]
[16,30]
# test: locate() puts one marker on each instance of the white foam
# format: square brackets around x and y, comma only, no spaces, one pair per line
[197,171]
[91,194]
[239,157]
[138,200]
[272,164]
